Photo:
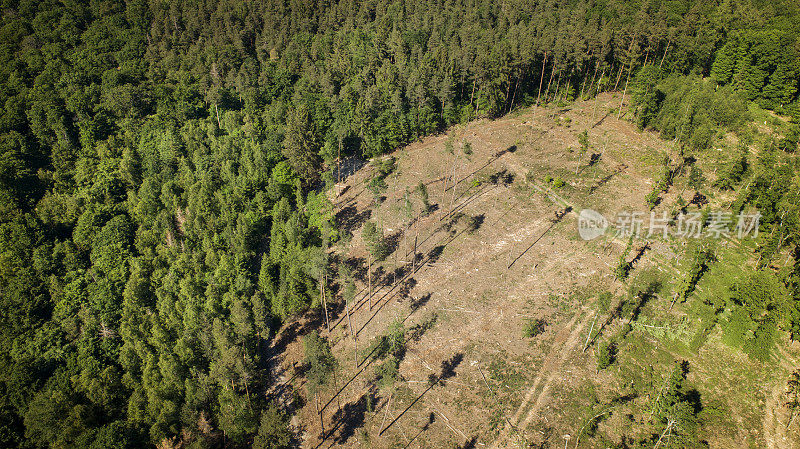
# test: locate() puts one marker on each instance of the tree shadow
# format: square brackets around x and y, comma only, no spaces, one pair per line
[559,215]
[699,200]
[614,314]
[417,303]
[435,253]
[286,336]
[379,276]
[281,392]
[494,157]
[431,419]
[546,434]
[348,218]
[448,371]
[692,396]
[475,223]
[624,399]
[352,164]
[470,199]
[313,319]
[642,299]
[620,168]
[358,267]
[416,331]
[639,254]
[401,271]
[502,177]
[362,367]
[392,241]
[449,366]
[420,260]
[406,286]
[601,120]
[352,416]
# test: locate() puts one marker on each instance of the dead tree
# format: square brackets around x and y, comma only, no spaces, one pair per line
[558,86]
[324,303]
[319,413]
[585,345]
[472,95]
[369,279]
[665,55]
[477,101]
[409,216]
[596,68]
[565,92]
[349,297]
[668,430]
[414,256]
[583,85]
[453,185]
[619,75]
[627,80]
[444,193]
[355,350]
[597,93]
[514,97]
[541,79]
[552,73]
[508,92]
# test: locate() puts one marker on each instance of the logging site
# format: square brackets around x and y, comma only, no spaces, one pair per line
[469,312]
[399,224]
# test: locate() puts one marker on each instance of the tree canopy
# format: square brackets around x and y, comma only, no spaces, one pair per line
[163,165]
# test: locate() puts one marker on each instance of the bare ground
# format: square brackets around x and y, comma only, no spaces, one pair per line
[469,377]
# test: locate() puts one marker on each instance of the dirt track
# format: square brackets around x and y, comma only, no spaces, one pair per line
[462,283]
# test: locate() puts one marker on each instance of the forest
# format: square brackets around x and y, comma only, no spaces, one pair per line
[165,169]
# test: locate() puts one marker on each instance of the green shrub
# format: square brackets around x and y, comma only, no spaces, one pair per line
[789,142]
[687,108]
[652,198]
[374,240]
[385,166]
[388,371]
[700,261]
[733,172]
[622,269]
[606,354]
[534,327]
[393,343]
[467,148]
[757,304]
[422,191]
[319,360]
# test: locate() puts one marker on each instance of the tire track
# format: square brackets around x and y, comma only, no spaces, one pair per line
[774,429]
[568,337]
[776,414]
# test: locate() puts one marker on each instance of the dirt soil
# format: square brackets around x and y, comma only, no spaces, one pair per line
[491,257]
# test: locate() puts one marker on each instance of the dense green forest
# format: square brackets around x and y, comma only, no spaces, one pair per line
[163,169]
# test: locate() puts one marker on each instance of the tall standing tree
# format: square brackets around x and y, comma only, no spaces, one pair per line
[301,144]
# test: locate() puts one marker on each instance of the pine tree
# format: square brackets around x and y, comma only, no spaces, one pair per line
[301,144]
